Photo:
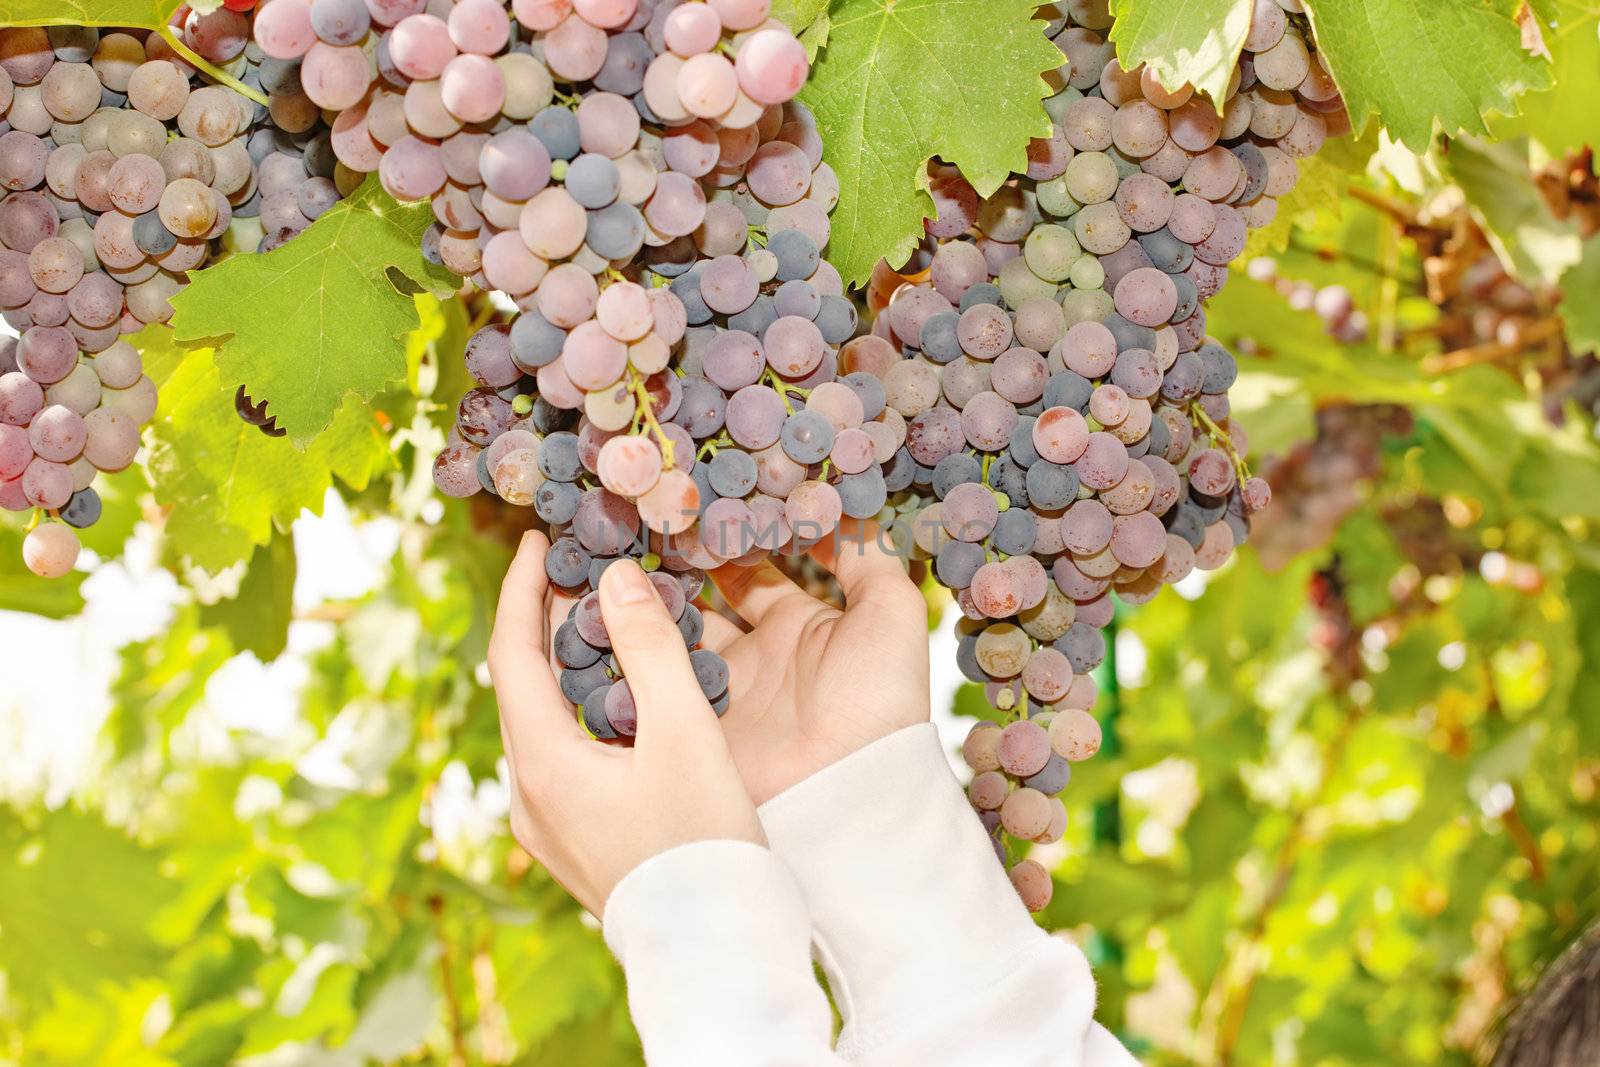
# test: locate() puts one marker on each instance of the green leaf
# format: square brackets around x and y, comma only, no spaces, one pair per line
[306,325]
[1318,192]
[1194,41]
[1530,241]
[904,80]
[257,619]
[78,899]
[228,483]
[148,14]
[1422,64]
[1580,308]
[22,590]
[798,15]
[1563,118]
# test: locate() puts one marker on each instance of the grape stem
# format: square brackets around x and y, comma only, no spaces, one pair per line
[758,236]
[34,520]
[646,411]
[216,73]
[1221,439]
[722,440]
[784,388]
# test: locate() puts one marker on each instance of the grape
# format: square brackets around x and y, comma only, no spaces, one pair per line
[988,790]
[1025,812]
[794,346]
[50,550]
[57,434]
[755,417]
[1024,748]
[981,750]
[771,66]
[1032,883]
[733,360]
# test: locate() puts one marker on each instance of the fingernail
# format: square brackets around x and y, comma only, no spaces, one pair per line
[628,583]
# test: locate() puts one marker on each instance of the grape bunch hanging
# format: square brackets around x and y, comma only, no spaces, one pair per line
[635,177]
[123,166]
[1068,428]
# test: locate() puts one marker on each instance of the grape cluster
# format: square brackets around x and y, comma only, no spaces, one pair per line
[1068,431]
[121,169]
[1333,304]
[635,176]
[1319,482]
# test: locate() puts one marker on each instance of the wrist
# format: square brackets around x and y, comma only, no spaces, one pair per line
[865,839]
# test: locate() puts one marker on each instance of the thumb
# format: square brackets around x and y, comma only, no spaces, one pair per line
[654,660]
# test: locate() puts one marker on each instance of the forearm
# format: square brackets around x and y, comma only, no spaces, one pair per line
[714,938]
[929,953]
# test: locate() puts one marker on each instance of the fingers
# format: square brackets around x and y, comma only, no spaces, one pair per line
[755,592]
[532,713]
[869,570]
[720,633]
[652,655]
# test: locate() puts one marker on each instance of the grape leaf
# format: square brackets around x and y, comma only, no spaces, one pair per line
[1529,239]
[63,927]
[309,323]
[1319,190]
[1421,64]
[1563,118]
[257,617]
[903,80]
[228,483]
[798,15]
[148,14]
[1194,41]
[1582,312]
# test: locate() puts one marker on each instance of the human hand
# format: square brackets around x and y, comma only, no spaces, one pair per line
[812,684]
[591,812]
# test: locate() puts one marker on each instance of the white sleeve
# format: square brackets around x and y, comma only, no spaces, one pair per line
[715,941]
[930,956]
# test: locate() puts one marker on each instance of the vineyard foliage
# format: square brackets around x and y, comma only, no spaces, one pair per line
[1349,798]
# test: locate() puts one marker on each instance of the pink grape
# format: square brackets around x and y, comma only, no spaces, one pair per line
[707,85]
[813,508]
[1024,748]
[1060,435]
[335,77]
[419,46]
[472,87]
[57,434]
[629,466]
[46,484]
[1033,885]
[541,15]
[778,173]
[20,398]
[692,29]
[283,29]
[592,358]
[672,504]
[553,224]
[15,451]
[51,550]
[575,50]
[411,168]
[111,438]
[678,205]
[755,417]
[771,66]
[794,346]
[739,15]
[479,26]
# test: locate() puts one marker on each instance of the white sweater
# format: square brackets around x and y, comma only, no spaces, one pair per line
[879,865]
